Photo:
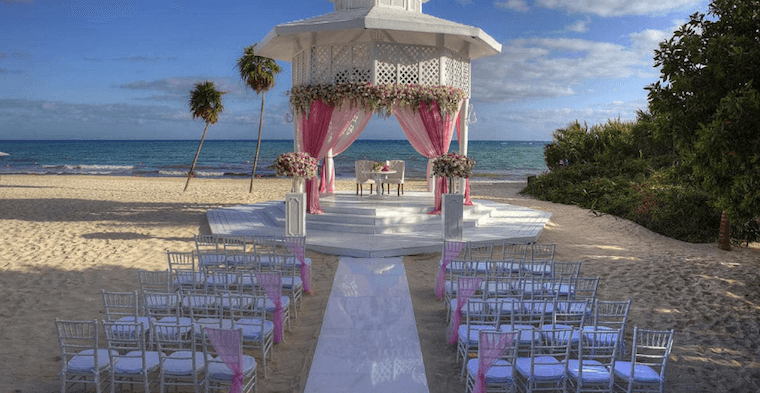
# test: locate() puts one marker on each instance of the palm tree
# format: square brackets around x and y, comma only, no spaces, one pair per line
[257,73]
[205,102]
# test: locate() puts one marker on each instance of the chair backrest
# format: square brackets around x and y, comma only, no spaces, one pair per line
[210,251]
[611,314]
[119,305]
[651,348]
[538,267]
[181,260]
[399,166]
[480,250]
[159,305]
[566,269]
[79,339]
[223,346]
[362,168]
[570,312]
[542,251]
[598,346]
[154,281]
[584,288]
[514,250]
[129,339]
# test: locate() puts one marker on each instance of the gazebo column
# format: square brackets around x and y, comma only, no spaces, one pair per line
[330,172]
[464,135]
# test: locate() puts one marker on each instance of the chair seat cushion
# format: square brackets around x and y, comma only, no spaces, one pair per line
[508,305]
[500,372]
[594,372]
[546,368]
[642,373]
[525,332]
[474,336]
[269,304]
[252,328]
[180,363]
[83,362]
[288,282]
[220,372]
[131,363]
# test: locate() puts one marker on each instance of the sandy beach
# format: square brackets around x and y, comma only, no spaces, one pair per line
[64,238]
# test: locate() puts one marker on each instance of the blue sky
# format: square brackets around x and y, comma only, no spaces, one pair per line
[105,69]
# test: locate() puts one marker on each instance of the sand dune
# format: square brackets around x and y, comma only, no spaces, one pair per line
[64,238]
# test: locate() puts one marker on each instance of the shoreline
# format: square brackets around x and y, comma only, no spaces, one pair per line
[66,237]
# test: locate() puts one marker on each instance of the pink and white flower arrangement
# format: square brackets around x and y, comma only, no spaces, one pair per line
[452,165]
[298,164]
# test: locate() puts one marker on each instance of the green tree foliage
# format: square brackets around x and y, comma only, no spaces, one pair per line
[258,74]
[706,104]
[205,103]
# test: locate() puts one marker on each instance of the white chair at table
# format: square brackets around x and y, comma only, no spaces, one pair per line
[395,178]
[363,176]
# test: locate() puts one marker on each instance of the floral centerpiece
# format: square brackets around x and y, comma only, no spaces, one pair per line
[452,165]
[298,165]
[380,166]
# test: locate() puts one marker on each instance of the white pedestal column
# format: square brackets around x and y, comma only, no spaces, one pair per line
[452,216]
[295,214]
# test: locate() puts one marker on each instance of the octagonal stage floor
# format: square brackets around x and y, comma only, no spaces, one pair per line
[381,226]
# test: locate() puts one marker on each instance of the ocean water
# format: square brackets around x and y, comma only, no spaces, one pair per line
[495,160]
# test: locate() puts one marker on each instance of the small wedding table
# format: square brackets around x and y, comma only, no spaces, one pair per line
[380,175]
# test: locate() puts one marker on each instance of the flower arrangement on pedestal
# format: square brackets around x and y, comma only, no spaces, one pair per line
[298,165]
[452,165]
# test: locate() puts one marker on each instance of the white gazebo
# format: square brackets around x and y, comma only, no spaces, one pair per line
[377,43]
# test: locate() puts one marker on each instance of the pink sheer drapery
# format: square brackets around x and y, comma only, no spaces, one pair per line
[297,247]
[450,251]
[272,285]
[430,134]
[467,200]
[491,346]
[228,345]
[466,287]
[324,129]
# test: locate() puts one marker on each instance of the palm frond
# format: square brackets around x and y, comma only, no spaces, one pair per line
[206,102]
[257,72]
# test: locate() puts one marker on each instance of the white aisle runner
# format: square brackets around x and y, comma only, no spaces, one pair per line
[369,340]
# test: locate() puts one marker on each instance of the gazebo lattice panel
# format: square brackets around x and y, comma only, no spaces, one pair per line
[381,63]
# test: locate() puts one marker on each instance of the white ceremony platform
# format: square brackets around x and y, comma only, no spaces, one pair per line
[381,226]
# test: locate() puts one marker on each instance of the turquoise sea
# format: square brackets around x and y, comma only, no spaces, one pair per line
[495,160]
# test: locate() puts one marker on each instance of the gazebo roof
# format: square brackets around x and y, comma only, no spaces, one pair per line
[376,23]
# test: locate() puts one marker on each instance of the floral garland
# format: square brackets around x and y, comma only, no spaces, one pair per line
[380,99]
[298,164]
[452,165]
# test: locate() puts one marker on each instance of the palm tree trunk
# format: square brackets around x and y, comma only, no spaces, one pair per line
[258,143]
[197,153]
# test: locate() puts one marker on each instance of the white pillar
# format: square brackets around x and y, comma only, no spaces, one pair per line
[452,216]
[295,214]
[330,172]
[464,136]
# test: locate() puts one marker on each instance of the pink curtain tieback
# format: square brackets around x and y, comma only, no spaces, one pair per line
[227,344]
[466,287]
[272,285]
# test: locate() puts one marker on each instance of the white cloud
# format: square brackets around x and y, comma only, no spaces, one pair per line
[178,88]
[514,5]
[609,8]
[545,68]
[580,26]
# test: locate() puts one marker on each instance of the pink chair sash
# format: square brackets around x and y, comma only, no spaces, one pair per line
[228,346]
[296,246]
[450,251]
[491,347]
[466,287]
[272,284]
